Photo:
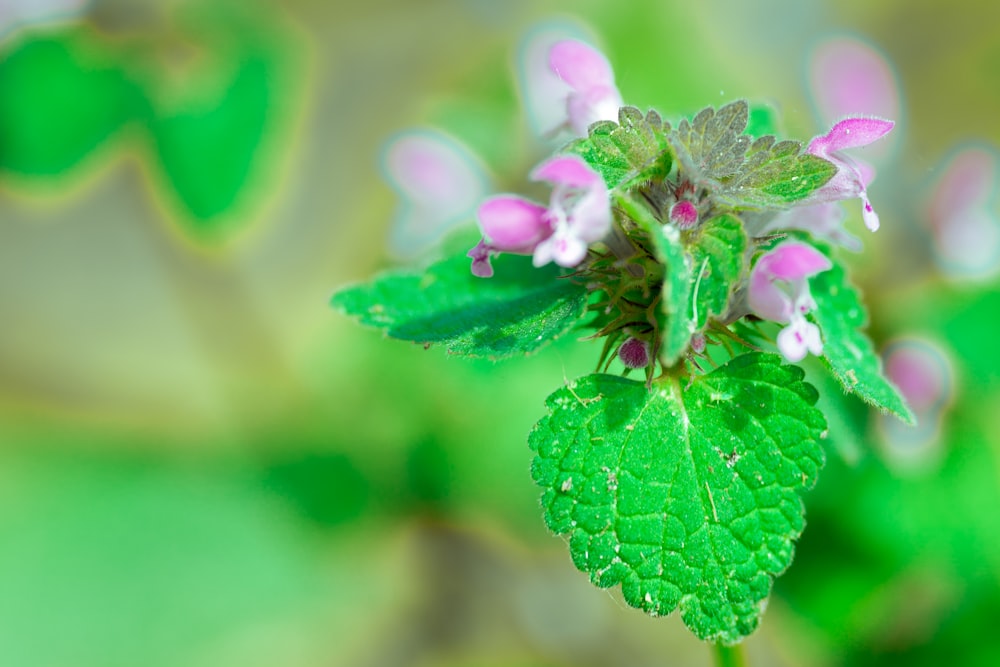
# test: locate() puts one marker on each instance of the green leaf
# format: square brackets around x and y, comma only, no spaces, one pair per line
[712,144]
[517,311]
[630,152]
[847,351]
[718,251]
[687,496]
[775,174]
[86,99]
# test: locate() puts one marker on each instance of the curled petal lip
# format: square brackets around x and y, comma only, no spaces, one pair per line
[851,132]
[568,170]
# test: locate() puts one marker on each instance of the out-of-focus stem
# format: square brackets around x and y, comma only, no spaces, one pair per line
[729,656]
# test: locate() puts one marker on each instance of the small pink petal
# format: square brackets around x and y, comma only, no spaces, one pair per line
[568,170]
[868,213]
[634,353]
[798,338]
[513,224]
[480,255]
[564,249]
[580,65]
[850,133]
[766,299]
[684,214]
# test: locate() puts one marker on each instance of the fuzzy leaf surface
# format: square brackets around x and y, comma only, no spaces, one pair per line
[629,152]
[686,496]
[774,175]
[847,350]
[712,144]
[518,310]
[718,253]
[715,151]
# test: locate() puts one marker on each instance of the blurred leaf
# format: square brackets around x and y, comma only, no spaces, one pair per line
[113,563]
[686,496]
[848,352]
[517,311]
[326,487]
[61,97]
[213,133]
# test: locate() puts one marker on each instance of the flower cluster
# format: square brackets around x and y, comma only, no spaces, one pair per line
[585,227]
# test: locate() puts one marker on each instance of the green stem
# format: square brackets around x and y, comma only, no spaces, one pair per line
[729,656]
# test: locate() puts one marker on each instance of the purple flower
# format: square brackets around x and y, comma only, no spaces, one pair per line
[578,214]
[779,291]
[593,95]
[684,214]
[852,177]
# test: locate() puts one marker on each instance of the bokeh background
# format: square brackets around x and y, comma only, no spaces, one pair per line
[201,464]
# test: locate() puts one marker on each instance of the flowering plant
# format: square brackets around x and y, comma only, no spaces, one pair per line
[676,244]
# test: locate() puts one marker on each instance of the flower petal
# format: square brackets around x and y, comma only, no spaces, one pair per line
[793,261]
[480,255]
[798,338]
[513,224]
[569,170]
[850,133]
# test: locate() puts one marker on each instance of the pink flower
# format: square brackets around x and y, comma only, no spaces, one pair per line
[924,373]
[966,231]
[852,177]
[779,291]
[578,214]
[684,214]
[593,95]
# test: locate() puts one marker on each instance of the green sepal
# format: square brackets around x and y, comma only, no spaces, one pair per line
[674,313]
[685,494]
[847,350]
[517,311]
[627,153]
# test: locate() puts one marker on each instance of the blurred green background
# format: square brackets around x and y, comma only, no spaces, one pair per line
[202,465]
